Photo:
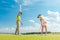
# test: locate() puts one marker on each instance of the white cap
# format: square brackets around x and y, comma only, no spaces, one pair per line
[20,8]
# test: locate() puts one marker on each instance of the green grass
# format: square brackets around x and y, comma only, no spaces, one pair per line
[29,37]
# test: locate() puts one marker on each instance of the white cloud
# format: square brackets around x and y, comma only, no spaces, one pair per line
[30,2]
[50,3]
[27,2]
[31,21]
[35,28]
[54,15]
[24,29]
[53,21]
[7,30]
[53,27]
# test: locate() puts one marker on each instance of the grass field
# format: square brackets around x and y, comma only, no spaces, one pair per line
[29,37]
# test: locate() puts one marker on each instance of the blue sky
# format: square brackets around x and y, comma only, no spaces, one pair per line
[8,11]
[50,10]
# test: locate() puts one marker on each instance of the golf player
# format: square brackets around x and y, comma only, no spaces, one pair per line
[43,23]
[18,21]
